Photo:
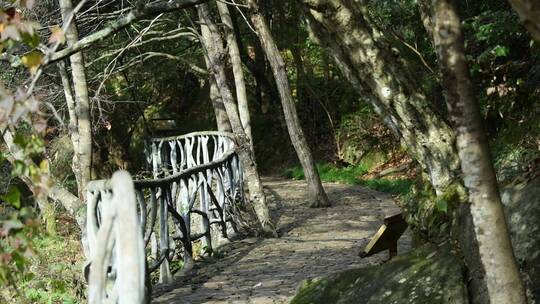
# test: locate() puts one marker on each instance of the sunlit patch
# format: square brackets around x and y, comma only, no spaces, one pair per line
[386,92]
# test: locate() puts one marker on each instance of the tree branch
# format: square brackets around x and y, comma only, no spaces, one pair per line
[134,15]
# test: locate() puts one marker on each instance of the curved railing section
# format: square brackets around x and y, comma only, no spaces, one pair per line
[170,155]
[197,179]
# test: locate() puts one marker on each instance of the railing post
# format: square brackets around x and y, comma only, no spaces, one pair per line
[117,246]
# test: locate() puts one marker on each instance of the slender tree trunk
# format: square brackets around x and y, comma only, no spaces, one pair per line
[82,160]
[496,256]
[529,13]
[222,119]
[213,47]
[317,195]
[238,73]
[366,59]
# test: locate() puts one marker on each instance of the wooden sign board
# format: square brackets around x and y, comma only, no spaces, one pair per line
[386,237]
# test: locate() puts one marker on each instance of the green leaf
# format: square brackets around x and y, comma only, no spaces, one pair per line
[500,51]
[13,197]
[31,39]
[19,167]
[20,140]
[19,259]
[442,206]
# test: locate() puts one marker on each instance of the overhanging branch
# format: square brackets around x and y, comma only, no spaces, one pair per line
[134,15]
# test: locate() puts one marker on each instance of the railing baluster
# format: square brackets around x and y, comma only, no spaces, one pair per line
[165,271]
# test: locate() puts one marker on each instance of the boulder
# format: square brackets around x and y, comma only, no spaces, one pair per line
[428,275]
[521,200]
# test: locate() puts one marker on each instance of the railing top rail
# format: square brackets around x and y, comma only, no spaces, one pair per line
[192,134]
[105,184]
[153,182]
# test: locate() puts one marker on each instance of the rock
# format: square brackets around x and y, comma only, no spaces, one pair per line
[426,275]
[521,200]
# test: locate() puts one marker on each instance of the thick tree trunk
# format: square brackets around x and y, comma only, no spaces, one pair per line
[529,13]
[317,195]
[82,161]
[238,73]
[496,256]
[213,47]
[367,61]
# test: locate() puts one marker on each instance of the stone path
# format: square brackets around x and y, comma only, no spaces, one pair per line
[314,242]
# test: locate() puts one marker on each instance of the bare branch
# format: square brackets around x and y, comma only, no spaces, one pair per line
[134,15]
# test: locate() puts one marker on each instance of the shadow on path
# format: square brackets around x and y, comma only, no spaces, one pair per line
[313,242]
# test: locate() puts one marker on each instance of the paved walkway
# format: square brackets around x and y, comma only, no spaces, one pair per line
[314,242]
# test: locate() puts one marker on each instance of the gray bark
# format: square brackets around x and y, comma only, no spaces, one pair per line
[82,162]
[213,47]
[316,192]
[529,13]
[238,73]
[367,61]
[222,120]
[502,277]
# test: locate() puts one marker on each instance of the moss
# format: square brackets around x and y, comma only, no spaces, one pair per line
[426,275]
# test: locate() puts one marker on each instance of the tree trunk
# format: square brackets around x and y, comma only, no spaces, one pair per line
[529,13]
[238,73]
[213,48]
[222,120]
[82,161]
[424,8]
[317,195]
[496,256]
[367,61]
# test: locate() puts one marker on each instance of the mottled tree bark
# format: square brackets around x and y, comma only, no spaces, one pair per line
[366,59]
[529,13]
[424,7]
[496,256]
[238,73]
[222,120]
[213,48]
[317,196]
[82,146]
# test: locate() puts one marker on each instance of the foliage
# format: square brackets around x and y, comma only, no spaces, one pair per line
[330,173]
[17,220]
[353,175]
[17,226]
[432,217]
[55,270]
[394,186]
[19,110]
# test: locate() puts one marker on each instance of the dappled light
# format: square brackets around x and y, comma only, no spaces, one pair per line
[264,151]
